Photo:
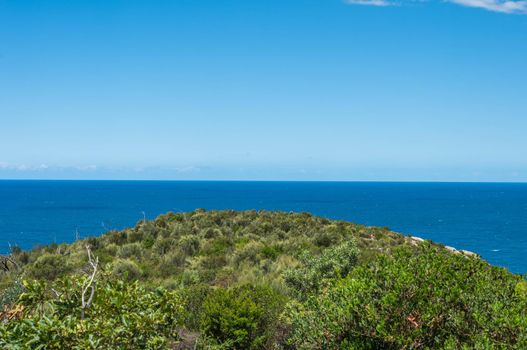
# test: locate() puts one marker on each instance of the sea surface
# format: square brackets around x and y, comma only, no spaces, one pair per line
[487,218]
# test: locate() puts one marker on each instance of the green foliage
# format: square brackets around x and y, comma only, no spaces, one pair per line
[194,297]
[122,316]
[520,290]
[423,298]
[206,243]
[317,271]
[126,269]
[10,294]
[242,317]
[231,275]
[189,244]
[48,266]
[130,250]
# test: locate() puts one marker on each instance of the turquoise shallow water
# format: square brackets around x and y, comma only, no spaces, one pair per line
[487,218]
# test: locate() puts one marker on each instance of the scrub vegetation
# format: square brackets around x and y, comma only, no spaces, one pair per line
[257,280]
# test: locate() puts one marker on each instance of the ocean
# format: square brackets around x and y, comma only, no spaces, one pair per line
[487,218]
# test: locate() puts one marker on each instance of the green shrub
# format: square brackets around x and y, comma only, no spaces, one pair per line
[272,251]
[122,316]
[326,239]
[194,296]
[48,267]
[219,246]
[243,315]
[163,245]
[189,244]
[170,264]
[317,271]
[130,250]
[126,269]
[248,252]
[111,249]
[10,294]
[117,237]
[416,299]
[134,236]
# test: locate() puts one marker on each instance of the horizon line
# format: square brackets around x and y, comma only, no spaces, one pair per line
[261,180]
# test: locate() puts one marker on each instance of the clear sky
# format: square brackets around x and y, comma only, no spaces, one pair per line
[270,89]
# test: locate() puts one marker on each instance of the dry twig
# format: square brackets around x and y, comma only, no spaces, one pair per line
[89,283]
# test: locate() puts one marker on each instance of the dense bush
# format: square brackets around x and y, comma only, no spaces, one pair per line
[423,298]
[194,297]
[10,293]
[206,244]
[126,269]
[130,250]
[48,266]
[122,316]
[317,271]
[242,316]
[259,280]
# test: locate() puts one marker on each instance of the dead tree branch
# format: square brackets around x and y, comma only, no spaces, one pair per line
[89,283]
[6,261]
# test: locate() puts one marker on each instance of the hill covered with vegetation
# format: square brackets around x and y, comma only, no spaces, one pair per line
[257,280]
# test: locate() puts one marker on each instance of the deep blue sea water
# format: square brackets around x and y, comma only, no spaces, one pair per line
[487,218]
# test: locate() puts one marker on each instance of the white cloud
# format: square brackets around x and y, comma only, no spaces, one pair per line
[87,167]
[188,169]
[379,3]
[495,5]
[502,6]
[29,168]
[22,167]
[42,167]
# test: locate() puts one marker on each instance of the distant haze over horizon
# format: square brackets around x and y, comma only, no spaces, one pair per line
[338,90]
[123,180]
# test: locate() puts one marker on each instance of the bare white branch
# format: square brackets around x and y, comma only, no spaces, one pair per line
[89,283]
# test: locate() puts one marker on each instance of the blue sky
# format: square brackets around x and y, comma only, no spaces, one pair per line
[267,90]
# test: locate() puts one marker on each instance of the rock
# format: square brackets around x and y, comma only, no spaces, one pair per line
[451,249]
[416,240]
[469,253]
